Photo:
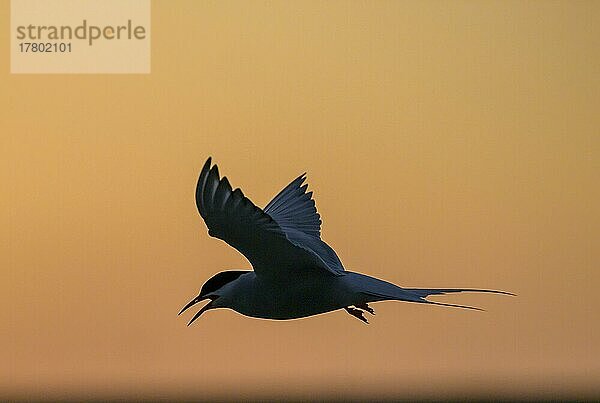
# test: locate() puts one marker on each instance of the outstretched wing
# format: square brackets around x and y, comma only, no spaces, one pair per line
[294,208]
[295,211]
[232,217]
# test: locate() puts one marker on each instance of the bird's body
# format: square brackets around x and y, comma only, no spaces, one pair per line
[311,294]
[295,273]
[271,299]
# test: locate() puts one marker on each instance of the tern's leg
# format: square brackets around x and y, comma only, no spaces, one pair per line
[357,313]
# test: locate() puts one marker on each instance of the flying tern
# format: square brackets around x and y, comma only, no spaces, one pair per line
[296,274]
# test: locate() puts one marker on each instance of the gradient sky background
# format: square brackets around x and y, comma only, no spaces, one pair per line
[447,143]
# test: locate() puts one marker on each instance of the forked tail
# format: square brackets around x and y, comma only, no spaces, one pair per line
[374,289]
[423,293]
[381,290]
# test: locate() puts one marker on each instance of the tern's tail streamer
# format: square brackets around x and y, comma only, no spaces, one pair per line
[382,290]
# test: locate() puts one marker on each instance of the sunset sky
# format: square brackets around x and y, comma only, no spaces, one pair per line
[448,144]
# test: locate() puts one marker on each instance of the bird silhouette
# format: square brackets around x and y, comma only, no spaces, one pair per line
[295,273]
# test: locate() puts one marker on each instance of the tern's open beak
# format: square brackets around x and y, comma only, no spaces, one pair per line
[201,311]
[190,304]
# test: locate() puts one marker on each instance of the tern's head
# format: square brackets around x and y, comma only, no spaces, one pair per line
[213,289]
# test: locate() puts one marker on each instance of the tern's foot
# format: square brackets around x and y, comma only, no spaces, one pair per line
[357,313]
[365,307]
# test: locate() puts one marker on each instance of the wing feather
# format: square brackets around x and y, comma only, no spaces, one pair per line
[222,193]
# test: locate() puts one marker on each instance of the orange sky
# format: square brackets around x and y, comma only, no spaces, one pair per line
[448,144]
